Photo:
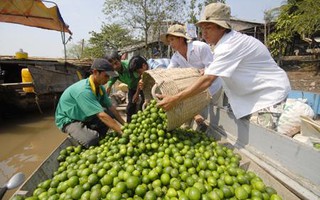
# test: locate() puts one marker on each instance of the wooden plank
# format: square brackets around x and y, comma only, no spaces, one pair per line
[298,58]
[17,85]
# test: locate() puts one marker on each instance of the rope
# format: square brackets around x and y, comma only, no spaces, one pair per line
[38,104]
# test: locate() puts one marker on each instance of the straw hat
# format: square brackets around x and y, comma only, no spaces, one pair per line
[217,13]
[175,30]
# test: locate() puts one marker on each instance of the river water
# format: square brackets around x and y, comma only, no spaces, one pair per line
[26,140]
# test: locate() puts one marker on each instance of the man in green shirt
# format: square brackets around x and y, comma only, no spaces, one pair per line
[81,108]
[122,67]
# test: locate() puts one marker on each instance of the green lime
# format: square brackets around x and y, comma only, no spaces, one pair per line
[141,190]
[150,195]
[132,182]
[93,179]
[241,193]
[77,192]
[165,179]
[95,194]
[275,197]
[73,181]
[194,193]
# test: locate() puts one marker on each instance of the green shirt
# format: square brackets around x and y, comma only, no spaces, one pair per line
[79,102]
[125,77]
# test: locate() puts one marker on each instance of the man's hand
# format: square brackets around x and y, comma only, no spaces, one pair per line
[109,121]
[108,90]
[135,98]
[203,82]
[120,132]
[167,102]
[140,84]
[201,71]
[117,115]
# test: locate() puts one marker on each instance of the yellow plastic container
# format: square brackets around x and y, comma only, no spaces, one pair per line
[26,77]
[21,55]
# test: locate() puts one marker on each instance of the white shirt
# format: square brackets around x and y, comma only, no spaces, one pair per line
[159,62]
[199,56]
[251,78]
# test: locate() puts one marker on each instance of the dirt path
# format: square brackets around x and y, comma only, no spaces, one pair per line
[304,79]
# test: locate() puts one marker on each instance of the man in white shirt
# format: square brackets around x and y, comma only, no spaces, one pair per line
[188,53]
[252,81]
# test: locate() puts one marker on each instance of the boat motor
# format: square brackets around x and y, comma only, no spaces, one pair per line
[14,182]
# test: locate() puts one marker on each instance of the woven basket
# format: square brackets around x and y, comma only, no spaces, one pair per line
[171,82]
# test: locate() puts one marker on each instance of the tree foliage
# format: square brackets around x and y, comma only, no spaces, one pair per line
[76,51]
[144,18]
[297,17]
[196,7]
[307,17]
[142,15]
[111,37]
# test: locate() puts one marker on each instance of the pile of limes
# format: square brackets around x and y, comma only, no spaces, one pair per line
[148,162]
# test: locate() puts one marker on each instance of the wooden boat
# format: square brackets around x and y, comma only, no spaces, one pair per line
[48,79]
[294,164]
[288,165]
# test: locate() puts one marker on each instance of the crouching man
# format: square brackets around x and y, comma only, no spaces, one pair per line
[84,110]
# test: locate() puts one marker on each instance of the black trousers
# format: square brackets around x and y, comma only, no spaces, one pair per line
[133,108]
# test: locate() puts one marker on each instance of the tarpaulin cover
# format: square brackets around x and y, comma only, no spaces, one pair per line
[32,13]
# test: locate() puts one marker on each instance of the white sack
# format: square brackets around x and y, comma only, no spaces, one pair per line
[290,122]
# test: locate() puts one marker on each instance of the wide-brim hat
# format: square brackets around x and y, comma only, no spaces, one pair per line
[104,65]
[174,30]
[218,13]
